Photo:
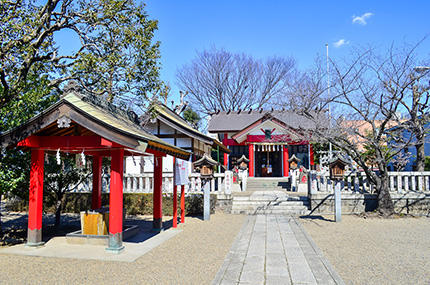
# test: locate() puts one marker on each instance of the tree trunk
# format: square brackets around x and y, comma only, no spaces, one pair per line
[385,203]
[58,210]
[421,156]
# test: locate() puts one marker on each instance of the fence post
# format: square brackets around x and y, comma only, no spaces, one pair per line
[337,202]
[356,183]
[392,183]
[406,183]
[420,183]
[413,182]
[399,183]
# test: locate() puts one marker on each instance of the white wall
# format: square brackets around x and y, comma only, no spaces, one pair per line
[270,126]
[135,166]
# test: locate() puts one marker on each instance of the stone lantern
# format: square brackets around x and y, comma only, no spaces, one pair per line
[337,167]
[294,162]
[205,166]
[243,162]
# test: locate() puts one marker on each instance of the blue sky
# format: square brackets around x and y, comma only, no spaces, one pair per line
[283,28]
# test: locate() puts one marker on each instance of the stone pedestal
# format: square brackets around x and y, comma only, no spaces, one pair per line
[206,201]
[337,202]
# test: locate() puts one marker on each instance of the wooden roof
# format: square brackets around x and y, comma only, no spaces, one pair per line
[172,119]
[90,116]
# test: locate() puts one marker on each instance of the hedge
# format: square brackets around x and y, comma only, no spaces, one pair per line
[134,203]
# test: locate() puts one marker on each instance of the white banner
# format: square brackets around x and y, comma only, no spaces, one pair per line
[181,172]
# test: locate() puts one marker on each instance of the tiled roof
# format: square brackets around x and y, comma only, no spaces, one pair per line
[116,119]
[235,121]
[180,122]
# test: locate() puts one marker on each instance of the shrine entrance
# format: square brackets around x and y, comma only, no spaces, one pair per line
[268,164]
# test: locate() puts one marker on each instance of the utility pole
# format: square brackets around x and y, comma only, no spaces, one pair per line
[328,97]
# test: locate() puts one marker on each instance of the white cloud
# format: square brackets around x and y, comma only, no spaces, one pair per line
[361,19]
[340,43]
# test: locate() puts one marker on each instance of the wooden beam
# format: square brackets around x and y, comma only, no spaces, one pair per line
[67,142]
[172,136]
[155,152]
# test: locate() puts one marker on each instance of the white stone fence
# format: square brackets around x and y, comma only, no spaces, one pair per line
[143,183]
[399,182]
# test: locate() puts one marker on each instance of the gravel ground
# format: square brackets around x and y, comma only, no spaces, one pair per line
[191,257]
[373,250]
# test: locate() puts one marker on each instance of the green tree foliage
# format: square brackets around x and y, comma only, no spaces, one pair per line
[192,117]
[14,164]
[61,179]
[427,164]
[115,57]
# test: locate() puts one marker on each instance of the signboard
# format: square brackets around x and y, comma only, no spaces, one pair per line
[181,172]
[228,181]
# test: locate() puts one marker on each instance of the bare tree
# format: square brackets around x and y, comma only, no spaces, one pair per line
[306,90]
[222,80]
[417,107]
[368,92]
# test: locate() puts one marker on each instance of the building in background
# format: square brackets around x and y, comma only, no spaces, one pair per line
[266,138]
[170,127]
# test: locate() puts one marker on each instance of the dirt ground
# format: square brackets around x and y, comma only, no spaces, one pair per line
[193,256]
[374,250]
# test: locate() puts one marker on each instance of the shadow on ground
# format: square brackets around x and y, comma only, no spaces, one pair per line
[316,217]
[14,227]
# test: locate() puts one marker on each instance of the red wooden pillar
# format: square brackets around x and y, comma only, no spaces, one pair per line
[311,154]
[224,141]
[251,160]
[175,206]
[35,203]
[116,200]
[96,200]
[157,222]
[286,157]
[182,203]
[175,196]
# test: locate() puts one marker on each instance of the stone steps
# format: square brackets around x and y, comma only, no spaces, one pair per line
[269,202]
[289,212]
[267,184]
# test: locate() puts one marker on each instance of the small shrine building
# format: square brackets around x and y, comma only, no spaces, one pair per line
[266,138]
[88,126]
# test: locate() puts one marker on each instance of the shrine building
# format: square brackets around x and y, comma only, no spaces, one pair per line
[267,138]
[85,126]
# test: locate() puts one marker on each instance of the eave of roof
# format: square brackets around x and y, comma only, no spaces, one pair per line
[180,123]
[106,119]
[235,121]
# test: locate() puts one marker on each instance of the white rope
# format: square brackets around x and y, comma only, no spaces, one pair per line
[58,157]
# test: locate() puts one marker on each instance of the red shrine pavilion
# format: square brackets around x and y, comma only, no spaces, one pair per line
[267,138]
[91,127]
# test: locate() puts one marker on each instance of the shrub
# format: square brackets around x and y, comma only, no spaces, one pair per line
[134,203]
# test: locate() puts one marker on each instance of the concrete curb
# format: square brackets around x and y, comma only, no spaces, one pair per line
[220,274]
[336,277]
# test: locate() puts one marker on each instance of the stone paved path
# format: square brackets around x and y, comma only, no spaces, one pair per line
[275,249]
